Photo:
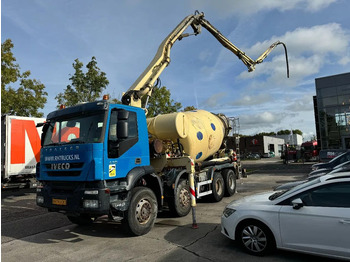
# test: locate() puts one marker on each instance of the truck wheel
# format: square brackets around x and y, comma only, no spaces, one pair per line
[218,187]
[181,204]
[82,220]
[230,181]
[142,212]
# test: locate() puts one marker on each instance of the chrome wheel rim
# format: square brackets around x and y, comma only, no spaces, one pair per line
[143,211]
[184,197]
[231,184]
[254,238]
[218,187]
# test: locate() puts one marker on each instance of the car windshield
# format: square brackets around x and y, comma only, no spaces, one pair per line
[294,189]
[74,129]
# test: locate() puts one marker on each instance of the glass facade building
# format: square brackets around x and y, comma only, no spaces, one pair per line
[332,111]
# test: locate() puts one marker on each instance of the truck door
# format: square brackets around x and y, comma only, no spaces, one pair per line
[123,150]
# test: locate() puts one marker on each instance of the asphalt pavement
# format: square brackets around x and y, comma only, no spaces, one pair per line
[30,233]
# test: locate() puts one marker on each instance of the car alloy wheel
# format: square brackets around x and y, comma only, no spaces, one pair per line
[254,238]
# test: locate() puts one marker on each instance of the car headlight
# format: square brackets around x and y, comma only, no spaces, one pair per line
[228,211]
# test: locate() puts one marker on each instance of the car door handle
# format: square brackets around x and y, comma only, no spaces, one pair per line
[344,221]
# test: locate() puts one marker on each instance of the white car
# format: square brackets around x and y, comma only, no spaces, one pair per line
[313,217]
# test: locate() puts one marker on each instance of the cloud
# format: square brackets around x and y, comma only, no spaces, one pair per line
[305,103]
[316,5]
[204,55]
[213,100]
[275,70]
[264,118]
[244,8]
[319,39]
[345,60]
[309,49]
[247,100]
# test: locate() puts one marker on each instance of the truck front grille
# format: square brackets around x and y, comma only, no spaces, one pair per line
[64,169]
[63,173]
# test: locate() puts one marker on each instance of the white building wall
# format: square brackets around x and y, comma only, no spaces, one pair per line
[294,140]
[273,142]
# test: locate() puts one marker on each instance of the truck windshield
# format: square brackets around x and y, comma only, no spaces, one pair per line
[75,130]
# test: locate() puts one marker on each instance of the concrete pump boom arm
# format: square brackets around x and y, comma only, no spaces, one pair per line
[250,63]
[145,82]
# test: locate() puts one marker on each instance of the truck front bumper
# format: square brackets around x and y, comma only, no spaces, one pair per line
[74,198]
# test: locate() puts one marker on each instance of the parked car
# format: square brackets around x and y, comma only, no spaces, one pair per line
[289,185]
[344,167]
[269,154]
[252,156]
[334,162]
[313,217]
[323,171]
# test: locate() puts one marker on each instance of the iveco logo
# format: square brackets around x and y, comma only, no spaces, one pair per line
[60,166]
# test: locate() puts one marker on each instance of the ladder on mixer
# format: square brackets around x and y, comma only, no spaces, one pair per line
[239,165]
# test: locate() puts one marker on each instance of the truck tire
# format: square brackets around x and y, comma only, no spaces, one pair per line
[229,177]
[181,204]
[82,220]
[142,212]
[218,187]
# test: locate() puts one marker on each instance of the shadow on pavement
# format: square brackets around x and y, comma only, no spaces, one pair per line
[208,244]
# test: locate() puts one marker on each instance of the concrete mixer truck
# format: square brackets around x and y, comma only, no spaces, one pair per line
[104,159]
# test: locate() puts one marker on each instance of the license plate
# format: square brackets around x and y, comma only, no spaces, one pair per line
[59,202]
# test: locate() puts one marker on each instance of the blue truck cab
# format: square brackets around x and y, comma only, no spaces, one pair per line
[92,156]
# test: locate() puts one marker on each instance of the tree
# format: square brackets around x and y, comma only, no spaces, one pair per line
[85,87]
[115,101]
[161,103]
[284,132]
[266,134]
[288,132]
[29,97]
[189,108]
[297,131]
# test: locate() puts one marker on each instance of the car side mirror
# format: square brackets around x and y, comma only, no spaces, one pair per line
[297,203]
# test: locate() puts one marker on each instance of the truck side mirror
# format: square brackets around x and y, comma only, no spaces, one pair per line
[123,114]
[123,129]
[123,125]
[43,132]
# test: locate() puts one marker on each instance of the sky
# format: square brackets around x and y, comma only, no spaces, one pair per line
[124,35]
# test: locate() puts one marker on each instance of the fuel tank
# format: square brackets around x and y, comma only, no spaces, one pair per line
[200,132]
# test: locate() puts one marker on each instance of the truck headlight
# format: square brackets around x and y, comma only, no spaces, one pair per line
[89,203]
[228,212]
[91,192]
[40,200]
